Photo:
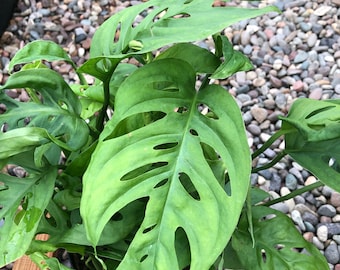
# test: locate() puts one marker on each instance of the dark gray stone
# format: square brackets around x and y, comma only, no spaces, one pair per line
[275,183]
[311,218]
[327,210]
[332,253]
[291,181]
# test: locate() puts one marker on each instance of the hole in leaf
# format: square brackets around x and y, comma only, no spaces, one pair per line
[206,111]
[160,15]
[181,15]
[165,146]
[319,111]
[263,255]
[182,247]
[117,217]
[51,118]
[150,228]
[142,170]
[161,183]
[2,187]
[267,217]
[134,122]
[189,186]
[279,246]
[297,249]
[227,188]
[332,163]
[140,17]
[4,127]
[117,33]
[143,258]
[62,104]
[50,219]
[181,109]
[167,86]
[193,132]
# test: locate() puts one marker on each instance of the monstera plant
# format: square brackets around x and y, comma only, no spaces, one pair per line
[149,166]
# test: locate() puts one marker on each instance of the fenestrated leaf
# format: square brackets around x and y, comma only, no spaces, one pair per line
[58,112]
[234,61]
[19,227]
[21,140]
[202,60]
[278,244]
[312,138]
[164,161]
[164,23]
[40,50]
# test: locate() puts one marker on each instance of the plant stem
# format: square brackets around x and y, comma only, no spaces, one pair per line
[106,88]
[270,164]
[268,143]
[294,193]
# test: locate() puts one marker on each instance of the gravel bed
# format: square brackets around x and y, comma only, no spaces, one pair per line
[296,54]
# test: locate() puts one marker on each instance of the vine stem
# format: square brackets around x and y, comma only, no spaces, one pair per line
[294,193]
[268,143]
[270,164]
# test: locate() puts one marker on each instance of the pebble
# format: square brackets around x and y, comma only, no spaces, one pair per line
[332,253]
[335,199]
[300,57]
[323,10]
[322,233]
[260,114]
[291,181]
[327,210]
[296,217]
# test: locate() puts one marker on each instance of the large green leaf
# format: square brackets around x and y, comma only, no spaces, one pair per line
[58,112]
[278,244]
[23,201]
[313,138]
[165,161]
[164,23]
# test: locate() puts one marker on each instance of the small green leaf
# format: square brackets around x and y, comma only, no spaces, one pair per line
[312,138]
[200,59]
[234,61]
[45,263]
[39,50]
[278,244]
[21,140]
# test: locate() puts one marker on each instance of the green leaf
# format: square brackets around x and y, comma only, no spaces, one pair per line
[200,59]
[40,50]
[313,138]
[58,111]
[21,140]
[19,228]
[163,161]
[115,230]
[277,244]
[164,23]
[234,61]
[45,263]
